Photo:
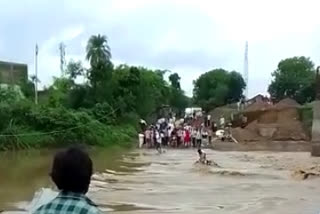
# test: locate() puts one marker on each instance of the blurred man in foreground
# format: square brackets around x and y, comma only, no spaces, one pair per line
[71,172]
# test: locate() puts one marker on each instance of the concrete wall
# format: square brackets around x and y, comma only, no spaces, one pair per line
[316,129]
[13,73]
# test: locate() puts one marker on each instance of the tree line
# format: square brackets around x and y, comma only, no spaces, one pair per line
[103,109]
[294,78]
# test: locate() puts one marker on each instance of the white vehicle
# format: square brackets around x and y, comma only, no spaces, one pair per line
[189,112]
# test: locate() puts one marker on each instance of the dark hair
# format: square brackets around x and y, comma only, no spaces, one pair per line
[72,170]
[200,151]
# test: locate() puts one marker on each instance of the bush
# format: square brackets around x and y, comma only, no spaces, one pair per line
[35,127]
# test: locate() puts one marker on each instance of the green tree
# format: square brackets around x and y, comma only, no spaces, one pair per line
[99,56]
[27,87]
[178,100]
[237,85]
[294,78]
[175,80]
[74,69]
[98,50]
[218,87]
[58,91]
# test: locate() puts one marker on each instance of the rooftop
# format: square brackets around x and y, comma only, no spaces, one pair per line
[12,63]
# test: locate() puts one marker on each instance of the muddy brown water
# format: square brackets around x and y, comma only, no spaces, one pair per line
[143,181]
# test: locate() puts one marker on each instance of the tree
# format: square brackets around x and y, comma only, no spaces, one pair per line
[218,87]
[178,100]
[294,78]
[175,80]
[99,56]
[237,84]
[58,91]
[27,86]
[98,50]
[74,69]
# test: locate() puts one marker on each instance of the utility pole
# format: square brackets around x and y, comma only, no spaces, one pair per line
[246,71]
[62,49]
[318,83]
[36,74]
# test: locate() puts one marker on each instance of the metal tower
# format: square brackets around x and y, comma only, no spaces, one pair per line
[62,48]
[246,71]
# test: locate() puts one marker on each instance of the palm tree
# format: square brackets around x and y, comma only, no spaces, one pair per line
[98,50]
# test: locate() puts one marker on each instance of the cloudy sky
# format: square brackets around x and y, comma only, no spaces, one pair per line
[185,36]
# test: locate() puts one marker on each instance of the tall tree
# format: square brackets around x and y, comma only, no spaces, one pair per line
[218,87]
[294,78]
[175,80]
[99,56]
[98,50]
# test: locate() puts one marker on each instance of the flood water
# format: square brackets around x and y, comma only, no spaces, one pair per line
[143,181]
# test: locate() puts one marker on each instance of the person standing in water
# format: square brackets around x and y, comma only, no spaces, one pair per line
[158,140]
[199,138]
[194,136]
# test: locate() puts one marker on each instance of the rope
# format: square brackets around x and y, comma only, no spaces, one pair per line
[55,132]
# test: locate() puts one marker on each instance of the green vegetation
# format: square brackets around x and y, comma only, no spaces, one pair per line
[103,110]
[218,87]
[294,78]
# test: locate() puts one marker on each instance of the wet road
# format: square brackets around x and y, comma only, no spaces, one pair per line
[142,181]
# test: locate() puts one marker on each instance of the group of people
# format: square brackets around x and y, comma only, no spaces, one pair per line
[181,134]
[185,136]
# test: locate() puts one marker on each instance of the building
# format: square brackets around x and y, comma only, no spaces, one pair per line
[258,99]
[13,73]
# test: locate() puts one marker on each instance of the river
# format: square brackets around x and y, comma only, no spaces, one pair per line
[143,181]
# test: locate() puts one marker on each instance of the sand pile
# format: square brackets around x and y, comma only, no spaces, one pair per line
[286,103]
[258,106]
[279,123]
[245,135]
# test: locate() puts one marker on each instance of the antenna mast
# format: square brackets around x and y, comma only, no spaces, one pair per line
[62,49]
[246,71]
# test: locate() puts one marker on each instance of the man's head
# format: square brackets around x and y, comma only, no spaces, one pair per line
[199,151]
[72,170]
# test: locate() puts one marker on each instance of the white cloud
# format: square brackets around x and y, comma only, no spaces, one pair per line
[186,36]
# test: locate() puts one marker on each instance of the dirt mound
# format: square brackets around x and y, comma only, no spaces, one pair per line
[226,111]
[292,130]
[245,135]
[269,116]
[287,103]
[258,106]
[273,124]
